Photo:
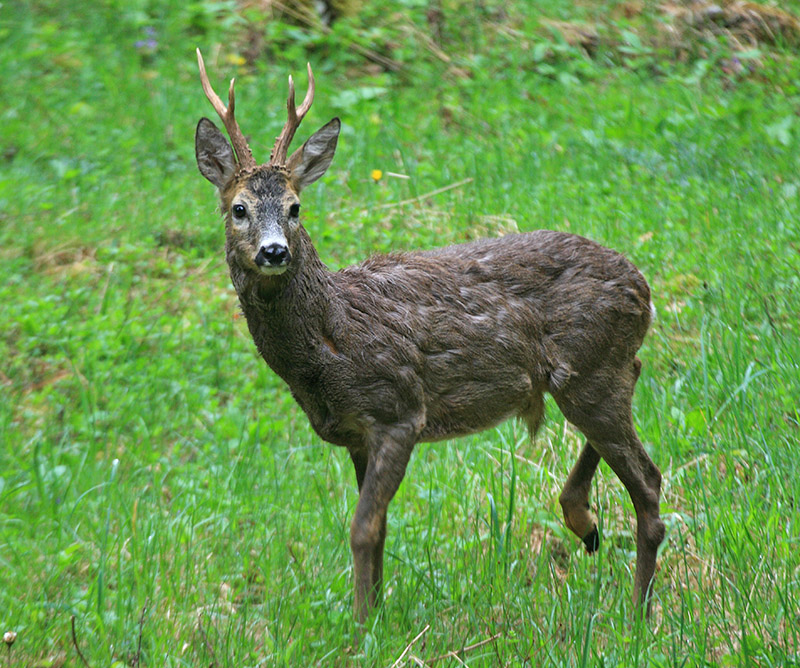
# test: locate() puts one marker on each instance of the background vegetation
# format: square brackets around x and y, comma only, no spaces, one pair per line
[159,486]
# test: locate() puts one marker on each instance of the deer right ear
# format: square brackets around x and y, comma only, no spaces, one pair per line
[313,158]
[214,154]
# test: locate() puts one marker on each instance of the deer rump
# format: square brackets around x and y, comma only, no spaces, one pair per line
[455,340]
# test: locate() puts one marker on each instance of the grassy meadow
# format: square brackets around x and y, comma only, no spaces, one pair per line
[159,488]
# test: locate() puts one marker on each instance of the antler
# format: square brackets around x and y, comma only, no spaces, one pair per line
[295,116]
[243,153]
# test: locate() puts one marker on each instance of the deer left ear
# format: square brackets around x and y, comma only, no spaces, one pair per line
[312,159]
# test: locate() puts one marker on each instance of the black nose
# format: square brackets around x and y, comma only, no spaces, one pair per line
[274,255]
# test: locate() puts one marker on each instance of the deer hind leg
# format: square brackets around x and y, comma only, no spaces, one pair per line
[575,495]
[379,474]
[600,407]
[628,459]
[574,499]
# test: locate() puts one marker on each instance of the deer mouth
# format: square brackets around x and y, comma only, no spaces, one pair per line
[272,271]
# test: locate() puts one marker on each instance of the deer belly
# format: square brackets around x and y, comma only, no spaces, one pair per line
[468,403]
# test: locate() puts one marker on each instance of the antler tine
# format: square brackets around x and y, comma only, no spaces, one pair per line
[294,118]
[243,153]
[308,100]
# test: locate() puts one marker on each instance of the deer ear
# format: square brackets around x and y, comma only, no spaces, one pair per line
[313,158]
[214,154]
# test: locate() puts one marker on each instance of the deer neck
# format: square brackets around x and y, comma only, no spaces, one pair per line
[287,313]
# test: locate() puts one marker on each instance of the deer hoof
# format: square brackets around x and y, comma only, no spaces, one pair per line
[592,541]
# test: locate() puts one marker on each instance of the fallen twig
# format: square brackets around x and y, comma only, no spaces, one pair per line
[408,647]
[454,654]
[135,660]
[413,200]
[420,198]
[75,643]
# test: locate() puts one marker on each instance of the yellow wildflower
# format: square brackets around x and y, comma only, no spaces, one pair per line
[235,59]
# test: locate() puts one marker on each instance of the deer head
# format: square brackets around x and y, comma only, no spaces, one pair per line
[261,203]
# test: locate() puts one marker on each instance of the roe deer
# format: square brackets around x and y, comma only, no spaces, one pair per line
[425,346]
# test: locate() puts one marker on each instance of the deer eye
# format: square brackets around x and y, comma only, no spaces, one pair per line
[294,210]
[239,211]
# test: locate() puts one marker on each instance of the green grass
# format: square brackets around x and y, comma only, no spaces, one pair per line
[158,483]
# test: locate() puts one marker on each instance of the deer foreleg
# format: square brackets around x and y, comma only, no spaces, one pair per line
[360,460]
[384,471]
